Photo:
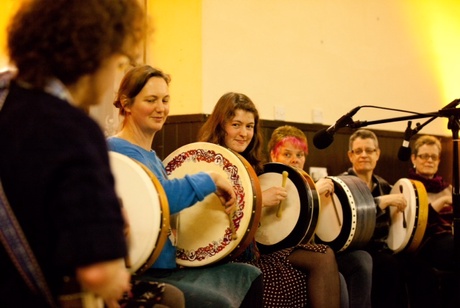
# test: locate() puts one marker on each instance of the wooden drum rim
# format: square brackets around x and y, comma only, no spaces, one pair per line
[147,177]
[277,234]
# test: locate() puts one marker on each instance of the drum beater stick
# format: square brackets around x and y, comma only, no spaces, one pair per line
[283,184]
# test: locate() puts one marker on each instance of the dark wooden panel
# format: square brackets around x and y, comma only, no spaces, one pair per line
[183,129]
[178,131]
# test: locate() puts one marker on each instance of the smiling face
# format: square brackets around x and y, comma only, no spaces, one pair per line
[239,131]
[364,155]
[151,106]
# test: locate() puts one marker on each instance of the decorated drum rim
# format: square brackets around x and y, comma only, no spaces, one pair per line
[248,202]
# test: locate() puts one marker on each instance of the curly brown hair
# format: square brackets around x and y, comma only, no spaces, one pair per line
[67,39]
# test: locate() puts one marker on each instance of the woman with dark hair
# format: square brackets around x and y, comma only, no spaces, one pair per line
[294,275]
[143,99]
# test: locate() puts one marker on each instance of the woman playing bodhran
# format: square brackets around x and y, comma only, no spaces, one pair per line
[143,98]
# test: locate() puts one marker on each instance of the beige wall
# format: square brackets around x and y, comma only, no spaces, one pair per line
[7,7]
[305,55]
[329,56]
[176,47]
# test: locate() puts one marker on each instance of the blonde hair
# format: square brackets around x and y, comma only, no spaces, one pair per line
[428,140]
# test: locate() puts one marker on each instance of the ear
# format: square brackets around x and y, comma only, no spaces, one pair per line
[125,103]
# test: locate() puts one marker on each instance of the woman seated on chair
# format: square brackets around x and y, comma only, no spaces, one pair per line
[292,275]
[144,101]
[437,247]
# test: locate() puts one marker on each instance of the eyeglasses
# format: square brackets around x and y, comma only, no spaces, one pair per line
[368,151]
[434,157]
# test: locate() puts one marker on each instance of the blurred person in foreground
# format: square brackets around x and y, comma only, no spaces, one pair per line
[54,163]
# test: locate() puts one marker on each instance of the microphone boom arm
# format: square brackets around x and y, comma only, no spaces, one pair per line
[358,124]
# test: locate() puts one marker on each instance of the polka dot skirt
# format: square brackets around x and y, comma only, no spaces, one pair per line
[284,286]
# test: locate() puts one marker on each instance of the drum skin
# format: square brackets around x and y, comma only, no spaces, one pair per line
[204,234]
[408,238]
[347,217]
[299,211]
[146,206]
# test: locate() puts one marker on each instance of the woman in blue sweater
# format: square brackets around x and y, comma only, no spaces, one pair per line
[143,100]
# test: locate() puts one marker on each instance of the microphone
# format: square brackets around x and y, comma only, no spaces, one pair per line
[323,138]
[404,151]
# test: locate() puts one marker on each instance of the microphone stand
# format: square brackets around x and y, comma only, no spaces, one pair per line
[358,124]
[454,125]
[453,115]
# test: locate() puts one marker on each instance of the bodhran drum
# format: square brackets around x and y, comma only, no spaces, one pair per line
[347,217]
[407,230]
[294,220]
[146,206]
[204,230]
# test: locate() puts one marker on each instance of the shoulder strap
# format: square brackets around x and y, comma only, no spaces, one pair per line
[5,79]
[18,249]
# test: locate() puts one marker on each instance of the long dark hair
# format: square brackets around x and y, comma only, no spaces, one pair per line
[214,129]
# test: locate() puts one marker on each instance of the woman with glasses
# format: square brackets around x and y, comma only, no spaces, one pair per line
[437,246]
[388,281]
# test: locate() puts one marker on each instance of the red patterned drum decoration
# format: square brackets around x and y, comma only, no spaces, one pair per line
[408,228]
[298,213]
[146,205]
[204,234]
[347,217]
